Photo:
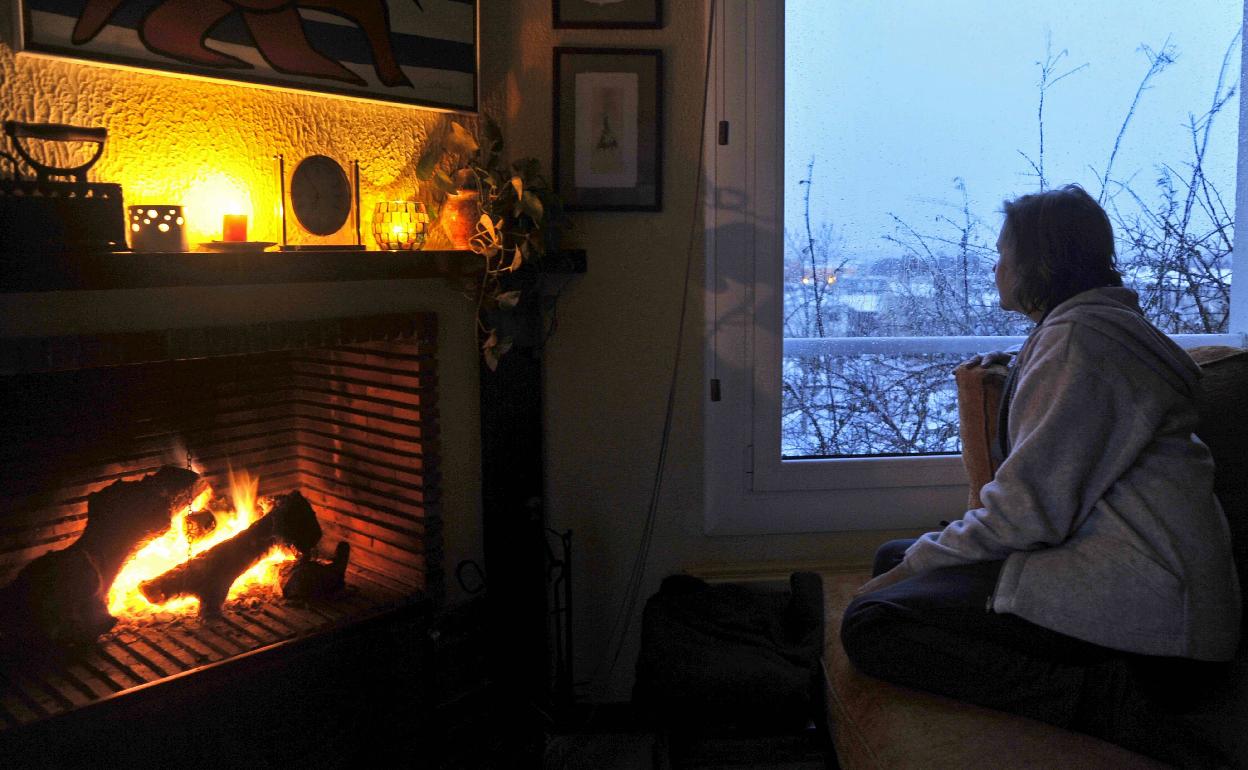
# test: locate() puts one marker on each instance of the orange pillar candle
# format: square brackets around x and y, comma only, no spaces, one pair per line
[234,227]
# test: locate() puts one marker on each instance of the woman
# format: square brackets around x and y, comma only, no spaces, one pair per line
[1100,563]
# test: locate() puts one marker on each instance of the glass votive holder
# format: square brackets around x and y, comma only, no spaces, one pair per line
[400,225]
[157,227]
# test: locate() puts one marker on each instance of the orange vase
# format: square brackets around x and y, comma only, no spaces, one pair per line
[459,217]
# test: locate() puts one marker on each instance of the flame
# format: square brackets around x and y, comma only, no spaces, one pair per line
[210,196]
[173,547]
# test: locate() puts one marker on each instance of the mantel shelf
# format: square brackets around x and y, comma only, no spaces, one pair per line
[134,270]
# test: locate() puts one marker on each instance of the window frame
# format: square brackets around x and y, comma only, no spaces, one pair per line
[748,488]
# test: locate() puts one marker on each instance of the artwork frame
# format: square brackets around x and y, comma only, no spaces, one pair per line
[425,55]
[596,167]
[620,14]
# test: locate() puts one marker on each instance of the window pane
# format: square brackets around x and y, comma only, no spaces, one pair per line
[923,118]
[869,404]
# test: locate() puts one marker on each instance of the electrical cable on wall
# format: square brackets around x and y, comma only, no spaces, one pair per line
[624,618]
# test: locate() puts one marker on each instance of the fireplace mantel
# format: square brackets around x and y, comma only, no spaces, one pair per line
[124,292]
[133,270]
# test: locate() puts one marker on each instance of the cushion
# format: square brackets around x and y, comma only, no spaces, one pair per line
[979,401]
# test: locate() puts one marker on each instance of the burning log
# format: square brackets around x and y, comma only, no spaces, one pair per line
[209,575]
[309,578]
[61,597]
[199,524]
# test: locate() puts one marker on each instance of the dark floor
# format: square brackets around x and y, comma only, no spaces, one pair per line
[610,736]
[482,726]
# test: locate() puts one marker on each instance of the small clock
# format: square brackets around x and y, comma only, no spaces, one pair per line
[320,195]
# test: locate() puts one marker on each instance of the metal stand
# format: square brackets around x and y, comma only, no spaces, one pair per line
[559,579]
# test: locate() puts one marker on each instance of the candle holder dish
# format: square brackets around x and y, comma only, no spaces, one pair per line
[237,245]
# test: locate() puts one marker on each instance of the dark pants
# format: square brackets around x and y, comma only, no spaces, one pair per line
[935,632]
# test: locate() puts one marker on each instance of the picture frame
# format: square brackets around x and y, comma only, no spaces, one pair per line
[424,54]
[608,128]
[607,14]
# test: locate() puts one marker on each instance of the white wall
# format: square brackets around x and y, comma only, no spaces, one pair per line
[609,364]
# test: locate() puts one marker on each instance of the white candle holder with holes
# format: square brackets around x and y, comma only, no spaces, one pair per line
[157,228]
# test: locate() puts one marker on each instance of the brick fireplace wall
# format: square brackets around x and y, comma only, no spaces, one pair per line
[50,329]
[342,410]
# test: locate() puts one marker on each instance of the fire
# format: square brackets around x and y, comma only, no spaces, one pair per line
[173,547]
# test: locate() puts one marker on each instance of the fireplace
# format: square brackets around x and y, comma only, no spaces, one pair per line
[343,411]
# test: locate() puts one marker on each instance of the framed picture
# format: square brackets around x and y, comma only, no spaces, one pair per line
[423,53]
[608,14]
[608,126]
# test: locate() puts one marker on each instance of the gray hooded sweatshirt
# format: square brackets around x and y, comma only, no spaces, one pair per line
[1104,510]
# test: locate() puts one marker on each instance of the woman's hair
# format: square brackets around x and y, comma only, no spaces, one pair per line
[1063,244]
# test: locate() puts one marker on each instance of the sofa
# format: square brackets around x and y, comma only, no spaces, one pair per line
[875,724]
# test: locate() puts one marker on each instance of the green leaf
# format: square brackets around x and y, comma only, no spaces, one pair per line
[489,349]
[488,224]
[485,239]
[444,183]
[528,168]
[493,136]
[464,178]
[428,160]
[535,247]
[461,140]
[509,299]
[494,348]
[532,205]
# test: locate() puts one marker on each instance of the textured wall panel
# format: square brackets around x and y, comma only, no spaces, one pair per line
[209,145]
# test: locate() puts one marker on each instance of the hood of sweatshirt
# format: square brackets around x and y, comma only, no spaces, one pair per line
[1114,311]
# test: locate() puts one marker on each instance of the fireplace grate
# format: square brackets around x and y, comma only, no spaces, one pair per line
[36,685]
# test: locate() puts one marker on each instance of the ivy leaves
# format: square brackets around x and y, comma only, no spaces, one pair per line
[519,217]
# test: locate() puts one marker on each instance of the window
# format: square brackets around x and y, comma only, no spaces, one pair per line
[854,213]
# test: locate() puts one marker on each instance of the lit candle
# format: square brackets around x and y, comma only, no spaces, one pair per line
[234,227]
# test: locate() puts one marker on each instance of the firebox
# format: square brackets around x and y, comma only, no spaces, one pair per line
[341,411]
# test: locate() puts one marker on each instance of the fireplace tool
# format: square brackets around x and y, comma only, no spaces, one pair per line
[42,216]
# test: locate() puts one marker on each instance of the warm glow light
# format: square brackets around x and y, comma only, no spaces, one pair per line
[234,227]
[199,141]
[400,225]
[172,548]
[209,198]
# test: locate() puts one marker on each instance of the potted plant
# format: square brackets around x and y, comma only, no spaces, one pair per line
[509,213]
